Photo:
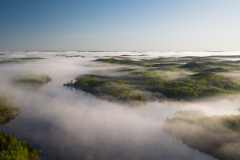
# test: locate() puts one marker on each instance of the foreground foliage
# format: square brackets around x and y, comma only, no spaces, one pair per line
[217,136]
[15,149]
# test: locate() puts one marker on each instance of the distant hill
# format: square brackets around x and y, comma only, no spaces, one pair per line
[194,66]
[215,70]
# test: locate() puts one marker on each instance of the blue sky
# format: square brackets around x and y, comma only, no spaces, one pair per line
[117,25]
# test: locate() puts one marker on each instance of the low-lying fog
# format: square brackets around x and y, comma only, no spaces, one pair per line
[71,124]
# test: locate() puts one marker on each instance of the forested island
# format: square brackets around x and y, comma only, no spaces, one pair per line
[11,148]
[7,110]
[217,136]
[18,60]
[32,79]
[71,56]
[182,78]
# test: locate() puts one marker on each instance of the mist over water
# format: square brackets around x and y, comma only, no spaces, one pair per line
[70,124]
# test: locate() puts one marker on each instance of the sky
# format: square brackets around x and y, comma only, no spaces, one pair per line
[119,25]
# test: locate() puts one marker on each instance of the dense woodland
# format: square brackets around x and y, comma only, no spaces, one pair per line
[150,81]
[11,148]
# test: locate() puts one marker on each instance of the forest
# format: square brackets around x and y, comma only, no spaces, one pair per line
[194,63]
[11,148]
[203,77]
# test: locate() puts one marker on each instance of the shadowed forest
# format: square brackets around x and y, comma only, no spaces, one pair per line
[216,135]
